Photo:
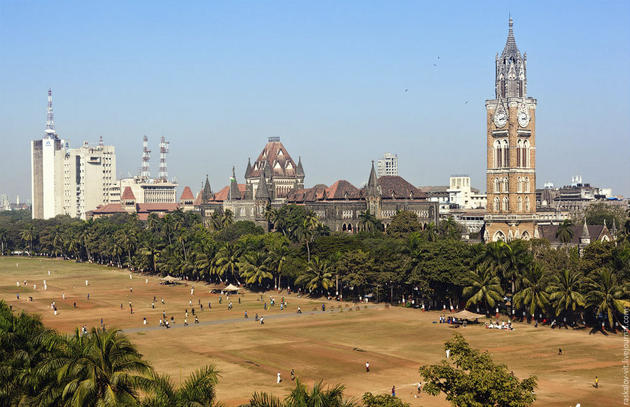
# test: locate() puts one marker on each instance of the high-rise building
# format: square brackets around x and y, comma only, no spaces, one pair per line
[89,178]
[47,170]
[67,181]
[511,150]
[388,165]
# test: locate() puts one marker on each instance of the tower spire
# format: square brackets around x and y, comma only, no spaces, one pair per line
[50,118]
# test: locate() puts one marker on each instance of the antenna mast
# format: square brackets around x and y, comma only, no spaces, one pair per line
[146,155]
[163,167]
[50,118]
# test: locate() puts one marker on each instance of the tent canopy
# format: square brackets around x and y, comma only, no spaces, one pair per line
[467,315]
[168,279]
[231,287]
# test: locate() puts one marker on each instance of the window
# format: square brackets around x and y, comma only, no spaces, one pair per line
[520,204]
[527,204]
[497,154]
[519,147]
[496,204]
[497,185]
[519,184]
[506,154]
[506,205]
[525,152]
[506,186]
[526,184]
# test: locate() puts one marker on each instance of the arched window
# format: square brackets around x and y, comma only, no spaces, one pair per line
[525,152]
[506,205]
[525,236]
[526,184]
[519,184]
[497,185]
[520,204]
[497,154]
[527,204]
[506,154]
[498,236]
[506,186]
[519,147]
[496,204]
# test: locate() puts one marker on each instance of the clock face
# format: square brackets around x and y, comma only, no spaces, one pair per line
[523,118]
[500,118]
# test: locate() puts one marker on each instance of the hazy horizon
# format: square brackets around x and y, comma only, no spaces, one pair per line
[339,83]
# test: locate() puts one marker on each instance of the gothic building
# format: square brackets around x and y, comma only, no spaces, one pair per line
[511,150]
[275,180]
[341,205]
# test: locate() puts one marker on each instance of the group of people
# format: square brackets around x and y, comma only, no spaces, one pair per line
[500,325]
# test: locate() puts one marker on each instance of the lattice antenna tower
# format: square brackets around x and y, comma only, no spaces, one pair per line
[163,151]
[50,118]
[146,156]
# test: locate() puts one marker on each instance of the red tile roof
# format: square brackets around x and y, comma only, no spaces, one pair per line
[222,195]
[110,208]
[394,186]
[277,158]
[156,207]
[342,189]
[187,195]
[128,195]
[198,199]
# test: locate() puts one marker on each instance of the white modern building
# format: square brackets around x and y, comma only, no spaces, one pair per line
[89,178]
[388,165]
[462,195]
[47,167]
[67,181]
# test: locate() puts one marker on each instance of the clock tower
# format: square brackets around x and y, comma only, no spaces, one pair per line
[511,150]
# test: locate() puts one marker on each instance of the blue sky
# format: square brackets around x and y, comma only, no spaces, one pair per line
[328,77]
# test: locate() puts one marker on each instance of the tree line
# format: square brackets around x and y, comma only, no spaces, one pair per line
[407,264]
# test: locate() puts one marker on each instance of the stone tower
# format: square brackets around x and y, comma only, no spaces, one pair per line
[511,150]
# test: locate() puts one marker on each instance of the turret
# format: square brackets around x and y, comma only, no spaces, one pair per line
[234,193]
[585,237]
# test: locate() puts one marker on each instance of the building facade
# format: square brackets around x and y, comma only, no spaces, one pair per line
[388,165]
[47,170]
[150,190]
[89,178]
[511,150]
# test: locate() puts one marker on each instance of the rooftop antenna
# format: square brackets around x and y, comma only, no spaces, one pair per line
[163,151]
[50,118]
[146,156]
[100,141]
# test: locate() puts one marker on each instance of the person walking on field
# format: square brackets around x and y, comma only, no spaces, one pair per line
[596,382]
[393,391]
[367,367]
[278,379]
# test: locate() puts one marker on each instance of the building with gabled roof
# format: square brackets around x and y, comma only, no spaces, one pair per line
[341,205]
[275,164]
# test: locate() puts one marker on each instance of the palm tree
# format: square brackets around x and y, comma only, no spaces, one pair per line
[28,235]
[307,231]
[317,276]
[450,229]
[227,218]
[533,294]
[278,255]
[197,390]
[565,291]
[300,396]
[254,268]
[430,232]
[605,294]
[565,231]
[483,286]
[227,260]
[99,369]
[4,237]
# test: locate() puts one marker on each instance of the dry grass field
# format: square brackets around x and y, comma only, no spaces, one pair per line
[332,345]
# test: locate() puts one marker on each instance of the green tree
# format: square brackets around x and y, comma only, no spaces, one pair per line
[382,400]
[318,277]
[100,369]
[198,390]
[565,231]
[472,379]
[565,292]
[227,261]
[28,235]
[403,223]
[253,267]
[369,222]
[533,295]
[605,295]
[482,286]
